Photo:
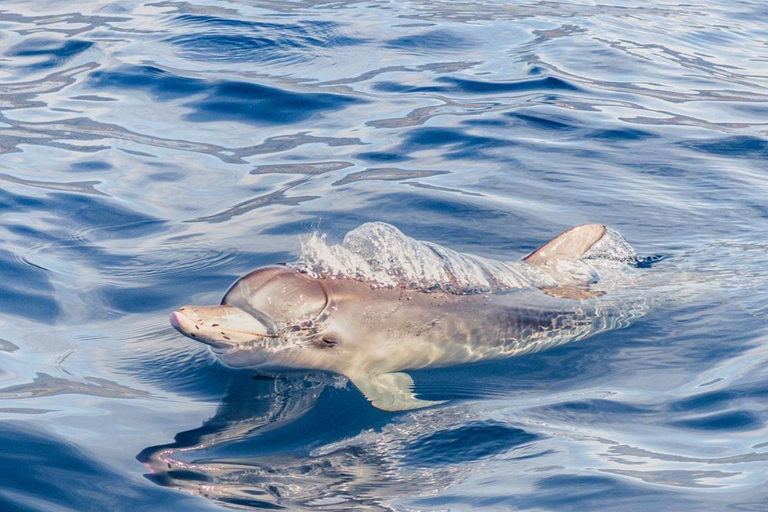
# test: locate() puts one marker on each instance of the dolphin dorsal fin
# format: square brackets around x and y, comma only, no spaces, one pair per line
[572,244]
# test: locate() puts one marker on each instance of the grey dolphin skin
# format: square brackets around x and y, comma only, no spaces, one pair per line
[279,317]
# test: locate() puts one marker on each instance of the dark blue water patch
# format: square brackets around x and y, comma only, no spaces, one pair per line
[476,227]
[205,21]
[739,146]
[29,233]
[462,85]
[317,31]
[598,408]
[228,40]
[86,212]
[470,442]
[164,293]
[397,87]
[141,300]
[170,478]
[192,372]
[569,492]
[54,51]
[434,41]
[664,171]
[222,100]
[549,83]
[435,137]
[545,122]
[168,286]
[460,144]
[244,102]
[416,204]
[42,473]
[244,503]
[724,421]
[380,156]
[250,503]
[759,209]
[705,401]
[26,290]
[168,176]
[621,135]
[493,123]
[230,48]
[163,85]
[15,202]
[91,166]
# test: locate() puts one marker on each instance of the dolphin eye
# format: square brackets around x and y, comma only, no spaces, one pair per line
[330,342]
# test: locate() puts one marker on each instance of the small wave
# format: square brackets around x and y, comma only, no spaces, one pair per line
[46,53]
[381,254]
[218,100]
[215,39]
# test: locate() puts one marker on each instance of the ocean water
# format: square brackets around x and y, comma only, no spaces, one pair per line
[153,152]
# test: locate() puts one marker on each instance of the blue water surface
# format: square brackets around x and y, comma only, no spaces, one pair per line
[152,152]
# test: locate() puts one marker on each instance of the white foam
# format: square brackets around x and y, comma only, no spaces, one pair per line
[381,254]
[612,247]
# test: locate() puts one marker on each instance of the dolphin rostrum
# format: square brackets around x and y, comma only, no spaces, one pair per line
[281,317]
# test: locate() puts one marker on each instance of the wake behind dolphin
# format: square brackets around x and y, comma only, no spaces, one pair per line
[381,302]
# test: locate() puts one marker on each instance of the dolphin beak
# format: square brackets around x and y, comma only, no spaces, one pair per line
[221,327]
[190,326]
[176,320]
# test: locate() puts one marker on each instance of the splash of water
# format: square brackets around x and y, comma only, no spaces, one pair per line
[381,254]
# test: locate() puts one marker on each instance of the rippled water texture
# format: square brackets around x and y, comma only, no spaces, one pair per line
[153,152]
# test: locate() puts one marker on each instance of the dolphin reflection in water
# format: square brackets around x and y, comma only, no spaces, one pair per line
[381,303]
[231,459]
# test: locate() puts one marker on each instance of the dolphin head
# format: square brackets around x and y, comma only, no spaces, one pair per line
[273,317]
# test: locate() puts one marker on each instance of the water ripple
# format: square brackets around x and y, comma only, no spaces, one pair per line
[215,39]
[222,100]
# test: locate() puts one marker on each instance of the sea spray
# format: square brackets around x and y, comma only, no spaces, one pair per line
[381,254]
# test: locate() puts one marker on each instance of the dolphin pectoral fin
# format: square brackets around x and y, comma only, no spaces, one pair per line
[390,391]
[571,292]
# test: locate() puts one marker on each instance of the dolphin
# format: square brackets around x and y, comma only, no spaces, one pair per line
[278,317]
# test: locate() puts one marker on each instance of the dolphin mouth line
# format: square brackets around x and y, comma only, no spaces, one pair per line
[251,333]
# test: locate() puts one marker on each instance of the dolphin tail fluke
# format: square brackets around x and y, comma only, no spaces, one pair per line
[390,391]
[573,244]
